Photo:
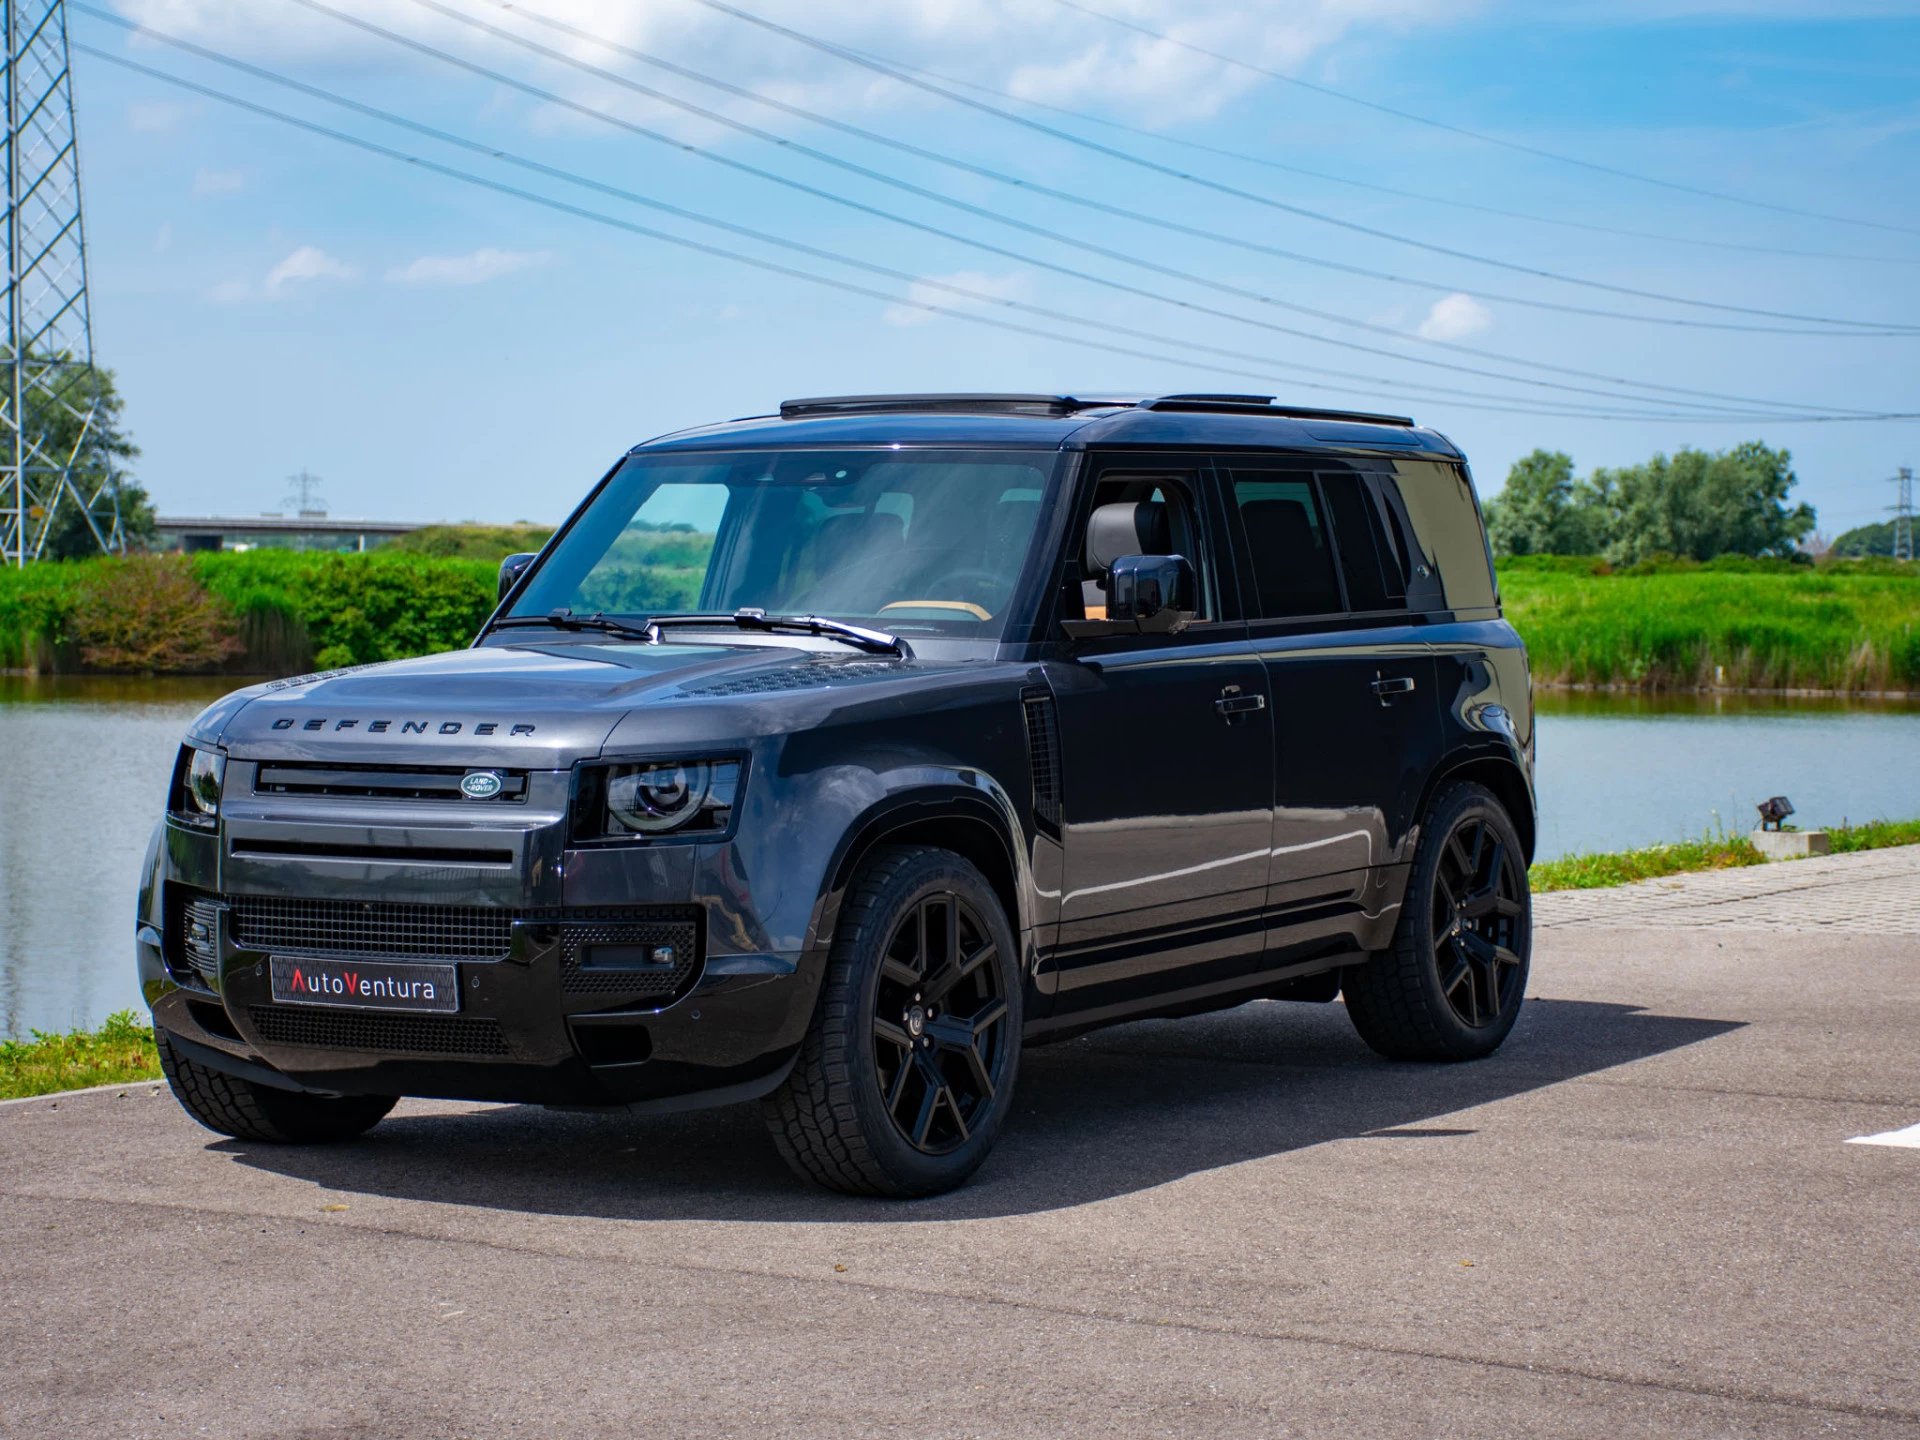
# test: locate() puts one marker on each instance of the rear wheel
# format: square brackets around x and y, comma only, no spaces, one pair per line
[1451,986]
[247,1111]
[907,1072]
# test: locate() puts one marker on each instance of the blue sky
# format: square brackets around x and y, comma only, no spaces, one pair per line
[273,300]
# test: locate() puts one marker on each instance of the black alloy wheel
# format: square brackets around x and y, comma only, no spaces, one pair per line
[1477,909]
[906,1073]
[940,1033]
[1451,985]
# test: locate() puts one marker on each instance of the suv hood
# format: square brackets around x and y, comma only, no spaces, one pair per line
[541,706]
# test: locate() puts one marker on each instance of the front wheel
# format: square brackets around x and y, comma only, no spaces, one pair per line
[1451,985]
[907,1071]
[246,1111]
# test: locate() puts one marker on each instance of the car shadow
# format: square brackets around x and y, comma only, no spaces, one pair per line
[1111,1113]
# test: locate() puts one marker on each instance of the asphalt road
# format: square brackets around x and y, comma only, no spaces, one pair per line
[1641,1219]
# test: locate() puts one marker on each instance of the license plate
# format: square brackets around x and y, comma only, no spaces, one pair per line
[365,985]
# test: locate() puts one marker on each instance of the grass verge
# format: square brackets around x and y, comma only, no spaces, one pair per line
[1712,852]
[119,1052]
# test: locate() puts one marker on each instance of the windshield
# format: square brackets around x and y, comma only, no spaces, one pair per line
[915,542]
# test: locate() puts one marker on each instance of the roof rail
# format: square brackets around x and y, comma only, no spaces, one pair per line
[1263,405]
[1012,404]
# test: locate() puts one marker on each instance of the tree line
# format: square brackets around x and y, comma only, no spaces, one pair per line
[1695,504]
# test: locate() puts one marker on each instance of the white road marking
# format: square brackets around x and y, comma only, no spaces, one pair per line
[1907,1139]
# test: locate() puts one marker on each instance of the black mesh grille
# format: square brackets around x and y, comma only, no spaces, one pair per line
[584,972]
[354,927]
[798,677]
[1043,750]
[392,1034]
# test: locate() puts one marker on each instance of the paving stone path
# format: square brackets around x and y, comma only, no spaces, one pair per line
[1874,892]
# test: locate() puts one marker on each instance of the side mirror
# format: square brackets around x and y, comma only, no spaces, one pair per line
[511,569]
[1154,592]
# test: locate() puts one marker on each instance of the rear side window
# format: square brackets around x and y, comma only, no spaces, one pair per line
[1289,543]
[1368,561]
[1447,530]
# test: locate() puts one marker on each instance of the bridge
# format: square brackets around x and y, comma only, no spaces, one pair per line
[311,529]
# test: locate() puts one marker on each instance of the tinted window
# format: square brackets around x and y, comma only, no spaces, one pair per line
[1168,523]
[1446,524]
[1287,539]
[1367,559]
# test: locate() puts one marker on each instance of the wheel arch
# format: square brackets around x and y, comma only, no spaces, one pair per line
[961,820]
[1498,771]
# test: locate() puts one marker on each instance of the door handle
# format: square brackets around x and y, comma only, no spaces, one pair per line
[1392,685]
[1232,702]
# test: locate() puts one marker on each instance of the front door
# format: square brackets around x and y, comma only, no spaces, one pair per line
[1167,761]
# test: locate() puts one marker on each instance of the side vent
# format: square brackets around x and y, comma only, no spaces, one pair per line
[1043,753]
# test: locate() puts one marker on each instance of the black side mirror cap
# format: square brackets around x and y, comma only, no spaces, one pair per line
[512,568]
[1153,592]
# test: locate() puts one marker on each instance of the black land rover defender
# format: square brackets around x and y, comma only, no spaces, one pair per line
[825,758]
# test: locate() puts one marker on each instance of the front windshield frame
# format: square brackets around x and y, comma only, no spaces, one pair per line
[577,548]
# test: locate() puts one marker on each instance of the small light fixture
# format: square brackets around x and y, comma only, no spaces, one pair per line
[664,955]
[1773,811]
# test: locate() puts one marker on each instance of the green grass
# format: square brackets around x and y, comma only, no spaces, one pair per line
[1874,835]
[1710,852]
[1849,627]
[119,1052]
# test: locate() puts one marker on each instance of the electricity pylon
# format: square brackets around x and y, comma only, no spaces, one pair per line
[48,390]
[1903,515]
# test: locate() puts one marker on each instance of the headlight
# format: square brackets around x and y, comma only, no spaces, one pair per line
[672,797]
[198,776]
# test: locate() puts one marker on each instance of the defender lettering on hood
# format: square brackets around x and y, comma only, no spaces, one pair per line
[407,727]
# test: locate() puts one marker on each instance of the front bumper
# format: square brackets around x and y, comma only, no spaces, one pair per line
[533,1025]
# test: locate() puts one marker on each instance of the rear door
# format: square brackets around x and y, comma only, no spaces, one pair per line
[1356,727]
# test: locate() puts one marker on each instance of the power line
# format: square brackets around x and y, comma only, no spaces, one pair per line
[848,287]
[1034,187]
[959,291]
[1247,157]
[1661,391]
[1480,135]
[855,57]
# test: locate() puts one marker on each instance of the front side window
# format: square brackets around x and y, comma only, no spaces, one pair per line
[915,542]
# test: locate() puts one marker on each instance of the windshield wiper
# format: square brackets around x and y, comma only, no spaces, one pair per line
[877,642]
[567,620]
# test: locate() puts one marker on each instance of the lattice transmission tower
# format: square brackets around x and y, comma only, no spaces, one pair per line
[1903,514]
[49,395]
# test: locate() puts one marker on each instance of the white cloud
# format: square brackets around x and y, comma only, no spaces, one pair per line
[1454,317]
[1066,57]
[481,266]
[934,291]
[218,182]
[307,263]
[231,292]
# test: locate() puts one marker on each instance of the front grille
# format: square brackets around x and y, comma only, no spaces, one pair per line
[356,927]
[390,1034]
[613,957]
[389,782]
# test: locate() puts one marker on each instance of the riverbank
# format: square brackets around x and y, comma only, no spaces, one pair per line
[1849,628]
[1737,626]
[119,1052]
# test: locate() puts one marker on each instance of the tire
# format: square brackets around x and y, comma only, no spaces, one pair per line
[1451,985]
[246,1111]
[907,1071]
